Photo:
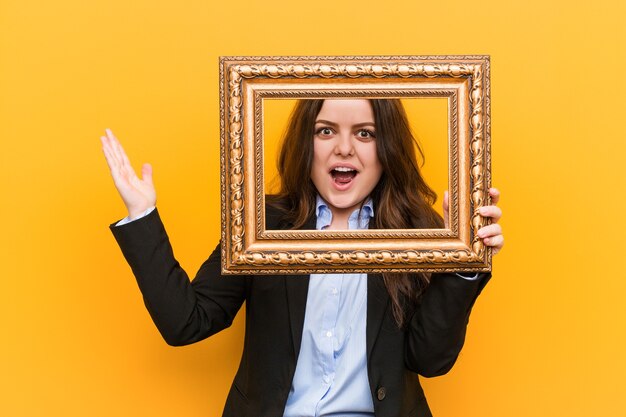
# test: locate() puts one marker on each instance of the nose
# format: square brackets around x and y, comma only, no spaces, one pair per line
[344,145]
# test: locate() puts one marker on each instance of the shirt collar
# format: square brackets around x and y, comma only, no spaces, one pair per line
[359,219]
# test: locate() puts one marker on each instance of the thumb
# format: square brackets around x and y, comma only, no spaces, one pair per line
[146,173]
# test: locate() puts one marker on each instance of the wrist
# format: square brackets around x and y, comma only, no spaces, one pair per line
[134,214]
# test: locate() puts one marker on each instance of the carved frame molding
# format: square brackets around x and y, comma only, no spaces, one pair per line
[247,248]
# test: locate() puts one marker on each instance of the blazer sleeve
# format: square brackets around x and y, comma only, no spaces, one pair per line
[183,311]
[436,332]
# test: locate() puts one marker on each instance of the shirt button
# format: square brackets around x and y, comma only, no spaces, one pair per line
[381,393]
[329,334]
[326,379]
[335,291]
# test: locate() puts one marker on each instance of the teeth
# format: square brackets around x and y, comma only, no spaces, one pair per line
[344,169]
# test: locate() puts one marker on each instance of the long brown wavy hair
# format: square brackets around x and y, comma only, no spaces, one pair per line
[401,199]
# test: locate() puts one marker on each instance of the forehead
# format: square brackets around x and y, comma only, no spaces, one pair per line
[346,111]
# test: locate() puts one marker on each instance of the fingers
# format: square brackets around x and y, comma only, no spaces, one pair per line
[490,230]
[110,152]
[494,193]
[115,145]
[494,212]
[492,236]
[125,161]
[496,243]
[112,160]
[119,153]
[120,163]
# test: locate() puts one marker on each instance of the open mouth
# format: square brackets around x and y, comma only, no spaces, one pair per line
[343,175]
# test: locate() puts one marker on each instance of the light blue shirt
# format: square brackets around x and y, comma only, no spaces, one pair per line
[331,373]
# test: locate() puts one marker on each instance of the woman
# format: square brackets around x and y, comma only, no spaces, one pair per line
[325,344]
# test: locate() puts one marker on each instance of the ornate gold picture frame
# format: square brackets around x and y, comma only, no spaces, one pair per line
[248,248]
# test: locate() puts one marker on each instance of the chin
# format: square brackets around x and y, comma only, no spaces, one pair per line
[343,203]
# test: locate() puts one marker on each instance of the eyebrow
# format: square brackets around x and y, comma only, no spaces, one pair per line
[333,124]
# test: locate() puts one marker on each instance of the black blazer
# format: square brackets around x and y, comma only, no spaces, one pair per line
[186,312]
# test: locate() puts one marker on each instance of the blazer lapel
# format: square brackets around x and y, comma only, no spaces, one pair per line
[377,304]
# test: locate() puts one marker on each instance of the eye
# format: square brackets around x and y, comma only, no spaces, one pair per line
[324,132]
[365,134]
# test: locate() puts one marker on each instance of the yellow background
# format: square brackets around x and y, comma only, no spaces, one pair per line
[548,335]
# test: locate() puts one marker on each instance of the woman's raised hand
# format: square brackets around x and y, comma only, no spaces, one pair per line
[492,233]
[138,194]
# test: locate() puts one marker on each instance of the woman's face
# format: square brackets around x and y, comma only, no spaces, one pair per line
[345,164]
